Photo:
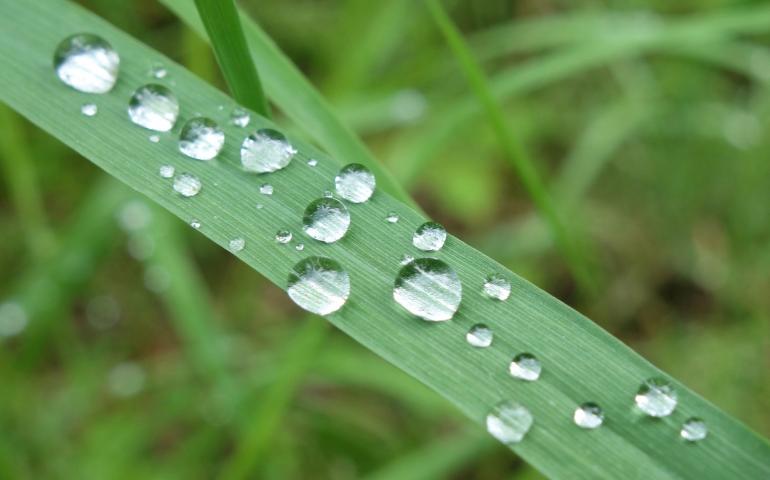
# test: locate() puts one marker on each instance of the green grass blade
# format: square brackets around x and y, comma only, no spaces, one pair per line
[581,361]
[224,29]
[288,88]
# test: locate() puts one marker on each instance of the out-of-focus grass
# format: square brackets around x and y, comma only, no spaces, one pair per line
[673,189]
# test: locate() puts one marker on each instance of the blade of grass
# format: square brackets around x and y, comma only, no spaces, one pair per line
[223,27]
[590,366]
[515,152]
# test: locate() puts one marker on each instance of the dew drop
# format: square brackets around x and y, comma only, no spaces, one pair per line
[195,223]
[283,236]
[525,366]
[154,138]
[13,319]
[236,244]
[266,151]
[430,237]
[509,421]
[355,183]
[328,194]
[694,430]
[497,287]
[201,139]
[406,258]
[392,217]
[154,107]
[266,189]
[166,171]
[312,162]
[158,71]
[260,206]
[299,247]
[89,109]
[589,416]
[479,336]
[429,289]
[318,285]
[326,220]
[86,63]
[656,398]
[187,185]
[240,117]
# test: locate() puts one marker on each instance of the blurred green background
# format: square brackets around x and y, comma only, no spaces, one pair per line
[131,347]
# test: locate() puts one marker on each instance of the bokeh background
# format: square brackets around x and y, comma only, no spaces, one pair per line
[131,347]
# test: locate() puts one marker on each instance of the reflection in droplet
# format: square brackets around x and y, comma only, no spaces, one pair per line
[319,285]
[154,107]
[479,336]
[525,366]
[509,422]
[201,139]
[326,220]
[430,237]
[266,151]
[429,289]
[355,183]
[86,63]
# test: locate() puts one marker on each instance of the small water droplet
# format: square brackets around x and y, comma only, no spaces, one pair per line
[195,223]
[154,138]
[318,285]
[13,319]
[656,398]
[694,430]
[266,189]
[429,237]
[406,258]
[154,107]
[236,244]
[479,336]
[588,415]
[260,206]
[89,109]
[429,289]
[240,117]
[355,183]
[497,287]
[86,63]
[392,217]
[312,162]
[158,71]
[166,171]
[187,185]
[509,422]
[300,247]
[328,194]
[326,220]
[201,139]
[525,366]
[283,236]
[266,151]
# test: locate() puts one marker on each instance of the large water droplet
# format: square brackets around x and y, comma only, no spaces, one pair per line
[509,421]
[89,109]
[588,415]
[154,107]
[525,366]
[283,236]
[430,237]
[166,171]
[319,285]
[428,288]
[479,336]
[355,183]
[86,63]
[201,139]
[496,287]
[236,244]
[656,398]
[266,151]
[694,430]
[187,185]
[326,219]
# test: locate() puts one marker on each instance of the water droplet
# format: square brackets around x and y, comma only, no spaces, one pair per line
[328,194]
[479,336]
[126,379]
[355,183]
[266,151]
[195,223]
[312,162]
[300,247]
[430,237]
[694,430]
[158,71]
[525,366]
[187,185]
[656,398]
[201,139]
[497,287]
[166,171]
[86,63]
[13,319]
[89,109]
[428,288]
[260,206]
[319,285]
[283,236]
[392,217]
[588,415]
[509,421]
[266,189]
[154,138]
[236,245]
[154,107]
[240,117]
[326,220]
[406,258]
